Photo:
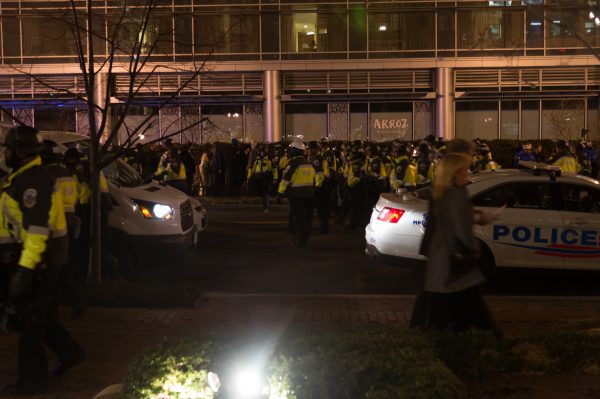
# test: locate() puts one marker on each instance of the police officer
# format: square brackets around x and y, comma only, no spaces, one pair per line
[322,185]
[356,182]
[483,160]
[261,175]
[66,183]
[298,184]
[524,155]
[404,174]
[171,169]
[33,215]
[564,158]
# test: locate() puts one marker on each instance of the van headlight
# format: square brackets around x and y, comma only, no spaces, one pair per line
[153,210]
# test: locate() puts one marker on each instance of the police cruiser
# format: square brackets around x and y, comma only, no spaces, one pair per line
[546,219]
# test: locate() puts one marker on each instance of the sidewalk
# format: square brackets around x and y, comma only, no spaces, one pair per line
[113,336]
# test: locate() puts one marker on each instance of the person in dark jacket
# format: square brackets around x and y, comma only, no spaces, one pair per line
[452,298]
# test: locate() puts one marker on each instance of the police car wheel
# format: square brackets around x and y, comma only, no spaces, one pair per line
[486,261]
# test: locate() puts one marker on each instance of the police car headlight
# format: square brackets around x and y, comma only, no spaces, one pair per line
[152,210]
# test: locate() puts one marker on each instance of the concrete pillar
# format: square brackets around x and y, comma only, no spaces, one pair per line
[444,103]
[272,106]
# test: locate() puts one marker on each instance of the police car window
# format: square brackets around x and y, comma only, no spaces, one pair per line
[529,195]
[578,198]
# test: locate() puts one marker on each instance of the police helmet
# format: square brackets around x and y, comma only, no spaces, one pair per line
[313,145]
[26,139]
[484,148]
[423,147]
[298,145]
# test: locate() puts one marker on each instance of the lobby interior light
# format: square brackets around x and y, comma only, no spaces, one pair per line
[310,33]
[382,28]
[535,23]
[592,15]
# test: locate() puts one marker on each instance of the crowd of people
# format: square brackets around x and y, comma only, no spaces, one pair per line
[350,176]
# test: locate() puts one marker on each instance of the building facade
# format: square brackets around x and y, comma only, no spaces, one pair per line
[346,70]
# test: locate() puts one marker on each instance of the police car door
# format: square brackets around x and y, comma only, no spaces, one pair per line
[523,231]
[581,246]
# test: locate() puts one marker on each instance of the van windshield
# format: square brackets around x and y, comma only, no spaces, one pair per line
[121,174]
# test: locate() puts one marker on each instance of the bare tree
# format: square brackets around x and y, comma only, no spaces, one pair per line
[566,118]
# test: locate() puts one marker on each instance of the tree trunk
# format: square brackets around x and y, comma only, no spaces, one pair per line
[95,272]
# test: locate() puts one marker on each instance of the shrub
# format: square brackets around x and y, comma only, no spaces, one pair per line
[171,370]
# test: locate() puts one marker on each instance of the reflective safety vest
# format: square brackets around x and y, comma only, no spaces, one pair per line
[283,163]
[298,178]
[568,163]
[260,167]
[170,168]
[66,183]
[354,172]
[84,190]
[32,211]
[321,169]
[404,173]
[374,168]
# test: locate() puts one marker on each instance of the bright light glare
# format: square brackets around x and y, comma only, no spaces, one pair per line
[382,28]
[592,15]
[247,383]
[163,211]
[213,381]
[535,23]
[597,21]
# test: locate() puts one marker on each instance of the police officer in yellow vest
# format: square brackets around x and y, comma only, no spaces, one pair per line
[298,183]
[33,216]
[66,183]
[564,158]
[261,175]
[171,170]
[322,185]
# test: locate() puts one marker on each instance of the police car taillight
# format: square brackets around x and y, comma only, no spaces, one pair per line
[390,215]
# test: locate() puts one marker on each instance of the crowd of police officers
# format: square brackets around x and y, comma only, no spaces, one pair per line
[44,233]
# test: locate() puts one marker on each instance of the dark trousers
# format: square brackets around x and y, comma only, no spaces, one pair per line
[358,205]
[45,329]
[263,185]
[323,205]
[458,311]
[299,221]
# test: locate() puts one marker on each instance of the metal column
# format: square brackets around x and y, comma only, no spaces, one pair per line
[272,106]
[444,103]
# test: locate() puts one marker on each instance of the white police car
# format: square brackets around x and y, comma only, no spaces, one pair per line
[549,221]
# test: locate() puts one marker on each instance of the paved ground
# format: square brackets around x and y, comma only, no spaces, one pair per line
[113,336]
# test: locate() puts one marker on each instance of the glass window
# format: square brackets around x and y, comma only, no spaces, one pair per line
[227,33]
[10,35]
[183,34]
[562,119]
[401,31]
[270,32]
[306,121]
[358,28]
[306,32]
[578,198]
[530,120]
[530,195]
[490,28]
[225,123]
[47,36]
[535,27]
[571,26]
[390,121]
[477,119]
[509,120]
[59,118]
[446,29]
[359,121]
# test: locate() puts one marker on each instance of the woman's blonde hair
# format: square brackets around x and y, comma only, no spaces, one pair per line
[446,172]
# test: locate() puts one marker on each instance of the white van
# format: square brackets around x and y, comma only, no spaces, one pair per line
[169,231]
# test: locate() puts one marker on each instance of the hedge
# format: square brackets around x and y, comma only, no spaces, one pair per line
[373,363]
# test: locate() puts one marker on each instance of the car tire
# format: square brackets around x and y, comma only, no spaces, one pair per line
[487,264]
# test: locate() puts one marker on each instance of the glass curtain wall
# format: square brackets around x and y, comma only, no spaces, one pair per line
[527,119]
[182,29]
